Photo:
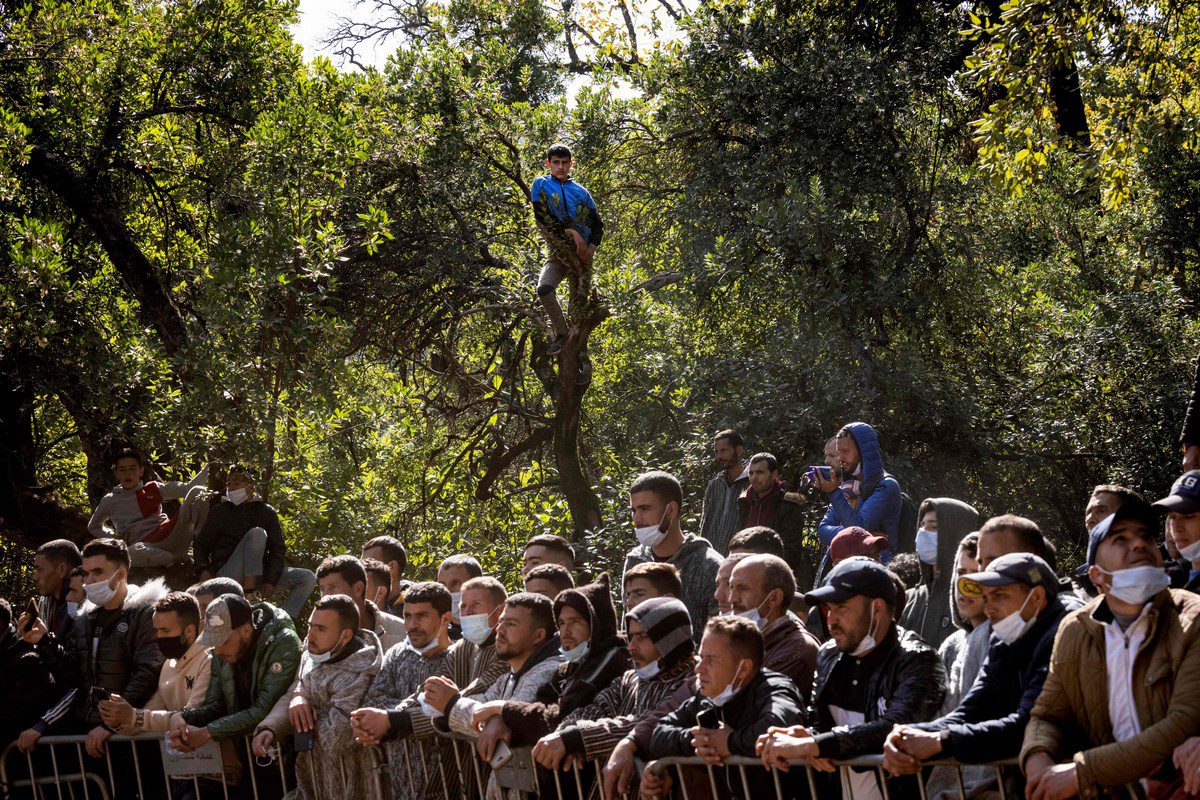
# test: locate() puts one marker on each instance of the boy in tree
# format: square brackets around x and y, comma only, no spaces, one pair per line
[563,208]
[133,510]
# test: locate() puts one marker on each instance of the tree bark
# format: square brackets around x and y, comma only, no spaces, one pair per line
[100,211]
[30,514]
[584,313]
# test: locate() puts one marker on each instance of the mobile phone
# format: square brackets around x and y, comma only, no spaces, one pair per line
[31,612]
[100,694]
[500,756]
[707,718]
[303,742]
[825,472]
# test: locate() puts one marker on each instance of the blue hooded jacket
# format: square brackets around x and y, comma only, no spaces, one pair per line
[879,503]
[566,204]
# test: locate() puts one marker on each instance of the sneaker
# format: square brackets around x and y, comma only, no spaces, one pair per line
[584,376]
[556,346]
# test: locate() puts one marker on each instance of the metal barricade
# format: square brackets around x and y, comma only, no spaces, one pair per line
[59,768]
[741,765]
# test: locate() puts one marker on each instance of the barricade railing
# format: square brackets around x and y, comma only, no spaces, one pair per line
[58,767]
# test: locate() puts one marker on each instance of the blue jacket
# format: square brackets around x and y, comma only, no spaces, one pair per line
[879,502]
[989,723]
[566,204]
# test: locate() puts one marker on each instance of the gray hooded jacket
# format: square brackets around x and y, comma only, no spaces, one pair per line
[927,610]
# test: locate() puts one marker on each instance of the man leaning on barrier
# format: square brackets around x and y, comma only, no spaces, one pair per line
[871,675]
[1020,595]
[1124,685]
[337,667]
[663,654]
[384,717]
[738,701]
[255,656]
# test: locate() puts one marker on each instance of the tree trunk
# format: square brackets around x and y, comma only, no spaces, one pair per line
[1069,112]
[30,514]
[102,214]
[584,313]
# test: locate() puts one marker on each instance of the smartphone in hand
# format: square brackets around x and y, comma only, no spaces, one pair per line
[31,613]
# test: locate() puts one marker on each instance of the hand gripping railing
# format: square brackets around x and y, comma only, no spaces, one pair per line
[742,764]
[59,763]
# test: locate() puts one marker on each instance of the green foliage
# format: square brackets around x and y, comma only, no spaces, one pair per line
[352,256]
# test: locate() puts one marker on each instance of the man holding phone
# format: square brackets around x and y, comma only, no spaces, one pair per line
[737,702]
[340,661]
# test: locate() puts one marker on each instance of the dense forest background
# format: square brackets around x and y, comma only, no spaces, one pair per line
[974,225]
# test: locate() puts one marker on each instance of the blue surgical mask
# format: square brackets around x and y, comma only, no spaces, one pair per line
[576,653]
[1011,627]
[72,609]
[927,546]
[754,615]
[475,628]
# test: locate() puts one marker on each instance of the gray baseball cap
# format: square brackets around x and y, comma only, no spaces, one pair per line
[220,618]
[1011,568]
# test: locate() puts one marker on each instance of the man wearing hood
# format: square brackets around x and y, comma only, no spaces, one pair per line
[765,502]
[862,493]
[656,502]
[596,656]
[337,667]
[944,522]
[663,656]
[1020,595]
[719,514]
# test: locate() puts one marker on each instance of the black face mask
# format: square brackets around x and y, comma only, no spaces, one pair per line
[172,646]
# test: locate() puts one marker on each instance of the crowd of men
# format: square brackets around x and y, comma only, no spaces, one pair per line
[706,649]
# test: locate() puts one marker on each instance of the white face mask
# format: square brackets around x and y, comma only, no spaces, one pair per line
[102,593]
[754,615]
[728,692]
[236,496]
[475,628]
[1136,585]
[652,535]
[423,650]
[1192,551]
[649,671]
[575,653]
[868,642]
[927,546]
[455,605]
[320,658]
[1011,627]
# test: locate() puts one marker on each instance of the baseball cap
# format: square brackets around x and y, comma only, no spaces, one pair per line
[855,541]
[1011,568]
[1185,494]
[855,576]
[1133,508]
[220,618]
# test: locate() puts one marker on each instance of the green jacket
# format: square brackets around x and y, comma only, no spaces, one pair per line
[276,660]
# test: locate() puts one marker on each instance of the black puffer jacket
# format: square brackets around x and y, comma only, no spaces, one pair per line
[126,660]
[906,687]
[227,523]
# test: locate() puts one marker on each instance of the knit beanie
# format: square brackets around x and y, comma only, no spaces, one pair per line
[668,625]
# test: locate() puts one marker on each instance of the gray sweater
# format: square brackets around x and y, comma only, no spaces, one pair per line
[697,563]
